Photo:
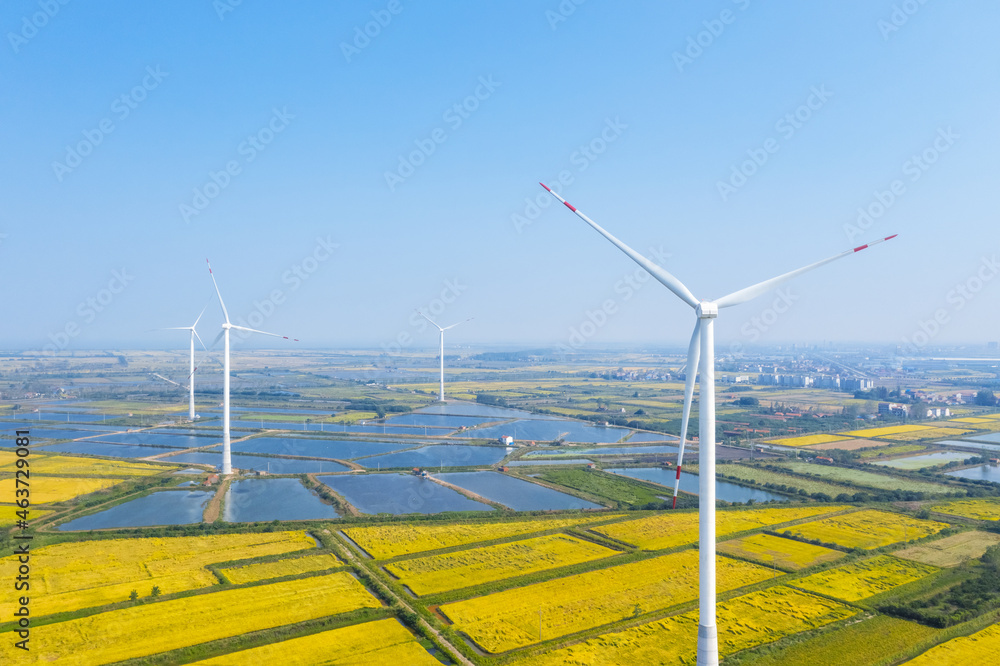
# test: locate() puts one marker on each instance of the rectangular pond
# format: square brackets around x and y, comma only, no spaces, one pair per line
[438,455]
[399,494]
[65,417]
[926,460]
[609,451]
[517,494]
[475,409]
[344,449]
[257,463]
[651,437]
[729,492]
[567,461]
[981,473]
[106,449]
[548,431]
[974,446]
[159,439]
[439,420]
[428,431]
[990,438]
[8,435]
[255,500]
[166,507]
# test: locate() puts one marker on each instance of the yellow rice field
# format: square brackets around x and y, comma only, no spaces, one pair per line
[669,530]
[979,648]
[51,489]
[157,627]
[866,529]
[808,440]
[84,574]
[385,541]
[980,509]
[972,419]
[952,550]
[451,571]
[887,430]
[865,578]
[786,553]
[68,465]
[379,642]
[8,515]
[510,619]
[251,573]
[935,433]
[744,622]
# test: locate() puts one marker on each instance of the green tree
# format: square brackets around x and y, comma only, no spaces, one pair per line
[986,398]
[155,592]
[133,595]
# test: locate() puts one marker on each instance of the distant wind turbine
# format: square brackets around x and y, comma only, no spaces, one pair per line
[194,334]
[227,461]
[703,345]
[441,331]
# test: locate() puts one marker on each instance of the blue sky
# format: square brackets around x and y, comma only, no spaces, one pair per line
[337,180]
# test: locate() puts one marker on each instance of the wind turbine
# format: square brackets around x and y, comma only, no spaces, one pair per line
[441,331]
[194,334]
[227,461]
[703,346]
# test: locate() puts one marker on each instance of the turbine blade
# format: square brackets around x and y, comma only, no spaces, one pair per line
[216,340]
[744,295]
[429,319]
[199,339]
[694,355]
[254,330]
[204,308]
[225,313]
[662,276]
[454,325]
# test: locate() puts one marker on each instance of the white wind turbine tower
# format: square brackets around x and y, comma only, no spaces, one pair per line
[227,462]
[441,331]
[703,346]
[194,334]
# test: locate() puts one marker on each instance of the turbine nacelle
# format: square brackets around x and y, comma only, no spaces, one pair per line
[707,310]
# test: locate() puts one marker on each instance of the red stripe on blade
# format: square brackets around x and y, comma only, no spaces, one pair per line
[861,247]
[545,186]
[570,206]
[890,237]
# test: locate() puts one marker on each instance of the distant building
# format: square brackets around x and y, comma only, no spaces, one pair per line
[507,440]
[857,384]
[893,409]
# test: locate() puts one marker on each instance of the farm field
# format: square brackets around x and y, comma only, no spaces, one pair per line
[979,509]
[867,529]
[82,574]
[974,420]
[386,541]
[451,571]
[602,485]
[8,515]
[979,648]
[764,476]
[670,530]
[52,489]
[865,578]
[887,430]
[251,573]
[863,478]
[786,553]
[510,619]
[850,445]
[868,642]
[952,550]
[158,627]
[891,450]
[808,440]
[379,642]
[71,466]
[933,433]
[744,622]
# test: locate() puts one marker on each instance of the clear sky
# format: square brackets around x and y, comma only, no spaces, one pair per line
[342,163]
